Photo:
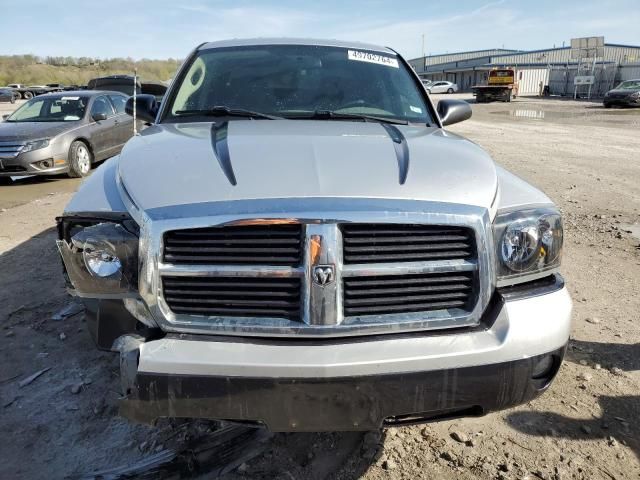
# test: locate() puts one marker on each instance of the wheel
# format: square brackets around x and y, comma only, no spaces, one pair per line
[27,95]
[79,159]
[607,105]
[450,90]
[5,181]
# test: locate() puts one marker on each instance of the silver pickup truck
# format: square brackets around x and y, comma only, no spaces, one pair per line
[297,242]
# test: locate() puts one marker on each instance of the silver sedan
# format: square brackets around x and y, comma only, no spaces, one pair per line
[442,87]
[63,133]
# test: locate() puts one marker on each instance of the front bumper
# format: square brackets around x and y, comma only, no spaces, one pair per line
[622,101]
[361,384]
[29,163]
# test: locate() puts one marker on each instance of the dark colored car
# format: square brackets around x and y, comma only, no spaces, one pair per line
[627,94]
[124,84]
[63,133]
[8,95]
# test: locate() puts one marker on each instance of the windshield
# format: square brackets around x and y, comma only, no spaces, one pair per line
[292,81]
[51,109]
[629,85]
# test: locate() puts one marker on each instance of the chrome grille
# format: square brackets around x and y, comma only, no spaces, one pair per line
[389,294]
[382,243]
[233,297]
[237,291]
[235,245]
[10,149]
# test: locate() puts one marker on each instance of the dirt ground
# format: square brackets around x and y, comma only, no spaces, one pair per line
[587,159]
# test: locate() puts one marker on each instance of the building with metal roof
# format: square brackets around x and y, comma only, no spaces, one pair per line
[552,67]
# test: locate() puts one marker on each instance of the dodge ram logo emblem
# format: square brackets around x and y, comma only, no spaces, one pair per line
[323,274]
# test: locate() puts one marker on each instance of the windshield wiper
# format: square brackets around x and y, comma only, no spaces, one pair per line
[224,111]
[329,114]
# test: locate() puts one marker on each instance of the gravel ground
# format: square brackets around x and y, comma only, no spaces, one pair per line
[585,427]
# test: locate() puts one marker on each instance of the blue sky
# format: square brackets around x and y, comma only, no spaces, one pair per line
[165,28]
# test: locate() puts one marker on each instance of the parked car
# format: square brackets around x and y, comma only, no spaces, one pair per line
[442,87]
[8,95]
[314,252]
[63,133]
[626,94]
[29,91]
[124,84]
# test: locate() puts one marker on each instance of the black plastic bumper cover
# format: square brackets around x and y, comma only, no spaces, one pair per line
[342,403]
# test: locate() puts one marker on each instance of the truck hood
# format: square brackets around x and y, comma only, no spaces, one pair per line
[23,131]
[186,163]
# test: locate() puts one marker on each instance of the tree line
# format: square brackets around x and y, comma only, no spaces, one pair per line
[35,70]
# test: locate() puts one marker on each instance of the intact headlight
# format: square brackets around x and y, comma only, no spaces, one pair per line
[101,259]
[35,145]
[528,244]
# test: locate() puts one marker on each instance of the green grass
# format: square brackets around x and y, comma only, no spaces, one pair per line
[32,70]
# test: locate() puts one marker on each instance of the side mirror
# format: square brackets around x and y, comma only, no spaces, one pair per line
[453,111]
[99,116]
[146,107]
[4,117]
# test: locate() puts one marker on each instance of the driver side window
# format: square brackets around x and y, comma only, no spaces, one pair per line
[102,105]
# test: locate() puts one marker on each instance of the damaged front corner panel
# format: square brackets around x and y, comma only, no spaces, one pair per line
[129,348]
[115,241]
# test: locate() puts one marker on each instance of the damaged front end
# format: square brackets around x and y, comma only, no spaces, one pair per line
[100,260]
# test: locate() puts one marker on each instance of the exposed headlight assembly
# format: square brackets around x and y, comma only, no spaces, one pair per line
[35,145]
[528,244]
[100,257]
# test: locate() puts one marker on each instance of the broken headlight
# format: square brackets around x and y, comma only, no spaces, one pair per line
[100,257]
[528,244]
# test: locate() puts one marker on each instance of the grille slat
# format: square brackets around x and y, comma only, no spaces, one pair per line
[404,280]
[414,293]
[404,299]
[232,312]
[425,247]
[383,243]
[233,249]
[406,257]
[413,239]
[229,283]
[278,244]
[423,289]
[233,296]
[408,308]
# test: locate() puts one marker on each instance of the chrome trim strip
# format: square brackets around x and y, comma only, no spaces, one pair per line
[325,222]
[228,270]
[408,268]
[530,288]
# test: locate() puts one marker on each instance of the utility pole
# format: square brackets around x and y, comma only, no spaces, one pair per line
[424,59]
[135,107]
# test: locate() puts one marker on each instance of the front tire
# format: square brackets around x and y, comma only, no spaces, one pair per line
[80,159]
[27,95]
